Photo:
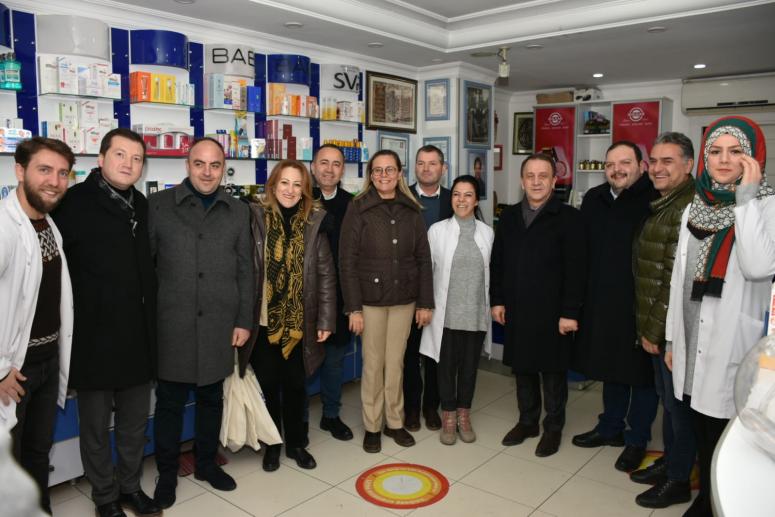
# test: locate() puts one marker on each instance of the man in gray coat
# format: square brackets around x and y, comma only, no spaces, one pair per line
[200,238]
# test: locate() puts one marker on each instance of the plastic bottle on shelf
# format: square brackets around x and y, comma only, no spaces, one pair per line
[2,71]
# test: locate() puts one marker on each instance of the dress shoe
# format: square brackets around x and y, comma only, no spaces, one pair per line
[548,444]
[372,442]
[592,439]
[401,436]
[140,504]
[110,510]
[337,428]
[412,420]
[519,433]
[664,494]
[164,495]
[217,478]
[630,458]
[651,475]
[271,460]
[303,458]
[432,419]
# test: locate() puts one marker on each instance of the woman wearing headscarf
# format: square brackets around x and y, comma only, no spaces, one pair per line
[721,281]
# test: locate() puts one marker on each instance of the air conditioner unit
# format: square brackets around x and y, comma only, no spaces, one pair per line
[734,93]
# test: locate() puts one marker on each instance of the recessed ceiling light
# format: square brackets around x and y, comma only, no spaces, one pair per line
[483,53]
[293,25]
[723,84]
[437,60]
[185,2]
[597,75]
[699,66]
[656,29]
[376,44]
[534,46]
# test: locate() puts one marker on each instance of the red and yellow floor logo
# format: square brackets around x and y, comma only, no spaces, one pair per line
[402,485]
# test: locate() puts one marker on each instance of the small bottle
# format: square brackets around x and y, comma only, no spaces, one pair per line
[2,71]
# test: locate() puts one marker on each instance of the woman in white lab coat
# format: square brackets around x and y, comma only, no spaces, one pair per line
[461,323]
[724,266]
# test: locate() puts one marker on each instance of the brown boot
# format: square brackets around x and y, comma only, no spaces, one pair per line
[467,433]
[448,427]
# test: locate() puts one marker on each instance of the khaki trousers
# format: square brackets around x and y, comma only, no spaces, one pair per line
[385,330]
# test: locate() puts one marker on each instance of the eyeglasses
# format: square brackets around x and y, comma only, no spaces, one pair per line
[387,171]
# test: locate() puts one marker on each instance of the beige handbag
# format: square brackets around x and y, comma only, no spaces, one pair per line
[245,417]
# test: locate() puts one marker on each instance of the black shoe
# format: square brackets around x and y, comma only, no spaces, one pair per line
[164,495]
[630,458]
[592,439]
[412,420]
[432,419]
[651,475]
[217,478]
[338,429]
[372,442]
[110,510]
[140,504]
[665,494]
[401,436]
[548,444]
[271,460]
[519,433]
[303,458]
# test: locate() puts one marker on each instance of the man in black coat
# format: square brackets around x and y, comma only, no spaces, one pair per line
[429,168]
[607,348]
[537,280]
[104,225]
[328,169]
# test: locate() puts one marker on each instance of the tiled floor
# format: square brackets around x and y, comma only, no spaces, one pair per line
[486,478]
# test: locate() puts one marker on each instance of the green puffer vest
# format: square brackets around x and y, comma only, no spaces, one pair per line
[653,261]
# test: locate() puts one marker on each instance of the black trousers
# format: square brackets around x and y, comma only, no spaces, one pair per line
[171,400]
[707,431]
[283,383]
[555,397]
[413,381]
[458,364]
[132,406]
[36,414]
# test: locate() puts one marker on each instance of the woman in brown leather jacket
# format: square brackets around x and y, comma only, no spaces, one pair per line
[295,302]
[387,284]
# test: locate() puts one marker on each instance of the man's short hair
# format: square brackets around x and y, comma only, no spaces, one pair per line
[202,139]
[543,157]
[430,149]
[32,146]
[124,133]
[679,139]
[626,143]
[328,146]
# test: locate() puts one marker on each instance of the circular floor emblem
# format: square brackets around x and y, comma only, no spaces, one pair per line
[402,485]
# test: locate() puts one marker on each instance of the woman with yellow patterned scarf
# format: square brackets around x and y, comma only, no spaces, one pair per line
[295,302]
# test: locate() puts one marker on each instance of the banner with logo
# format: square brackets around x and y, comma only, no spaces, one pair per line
[554,135]
[229,60]
[637,122]
[344,78]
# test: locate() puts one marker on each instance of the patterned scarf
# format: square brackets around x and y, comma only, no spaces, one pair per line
[127,205]
[284,263]
[711,215]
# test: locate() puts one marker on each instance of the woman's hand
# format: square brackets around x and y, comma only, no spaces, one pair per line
[323,335]
[423,317]
[356,323]
[752,172]
[669,360]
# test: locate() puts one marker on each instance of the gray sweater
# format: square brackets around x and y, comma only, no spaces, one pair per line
[465,295]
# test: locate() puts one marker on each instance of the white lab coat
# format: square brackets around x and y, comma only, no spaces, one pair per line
[21,268]
[731,325]
[443,237]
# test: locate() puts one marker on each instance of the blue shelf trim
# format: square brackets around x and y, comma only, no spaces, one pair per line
[259,64]
[166,48]
[196,77]
[24,46]
[314,124]
[360,127]
[119,45]
[5,26]
[288,68]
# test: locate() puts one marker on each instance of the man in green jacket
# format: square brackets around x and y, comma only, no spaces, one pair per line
[670,169]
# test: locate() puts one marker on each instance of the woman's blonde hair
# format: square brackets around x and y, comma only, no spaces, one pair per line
[307,203]
[401,185]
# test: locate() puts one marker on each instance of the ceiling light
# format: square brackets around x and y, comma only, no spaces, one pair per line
[597,75]
[534,46]
[376,44]
[437,60]
[656,29]
[483,53]
[699,66]
[185,2]
[293,25]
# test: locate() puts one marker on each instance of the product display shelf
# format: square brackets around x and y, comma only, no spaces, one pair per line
[228,111]
[76,96]
[340,122]
[336,129]
[288,117]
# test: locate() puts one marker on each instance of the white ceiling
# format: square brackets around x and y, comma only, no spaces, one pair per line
[580,37]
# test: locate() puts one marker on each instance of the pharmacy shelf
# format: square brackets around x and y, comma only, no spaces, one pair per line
[76,96]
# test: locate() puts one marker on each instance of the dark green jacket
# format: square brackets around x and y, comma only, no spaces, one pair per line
[654,256]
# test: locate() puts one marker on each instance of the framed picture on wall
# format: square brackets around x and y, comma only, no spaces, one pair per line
[443,143]
[497,157]
[523,133]
[391,103]
[437,99]
[398,143]
[475,114]
[477,167]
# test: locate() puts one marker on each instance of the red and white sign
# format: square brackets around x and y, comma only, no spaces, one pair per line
[554,135]
[637,122]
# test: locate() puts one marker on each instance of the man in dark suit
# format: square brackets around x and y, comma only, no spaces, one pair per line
[436,200]
[328,168]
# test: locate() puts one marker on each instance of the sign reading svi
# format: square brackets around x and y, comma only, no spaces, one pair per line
[345,78]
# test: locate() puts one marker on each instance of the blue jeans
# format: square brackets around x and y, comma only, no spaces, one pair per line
[636,404]
[331,379]
[677,430]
